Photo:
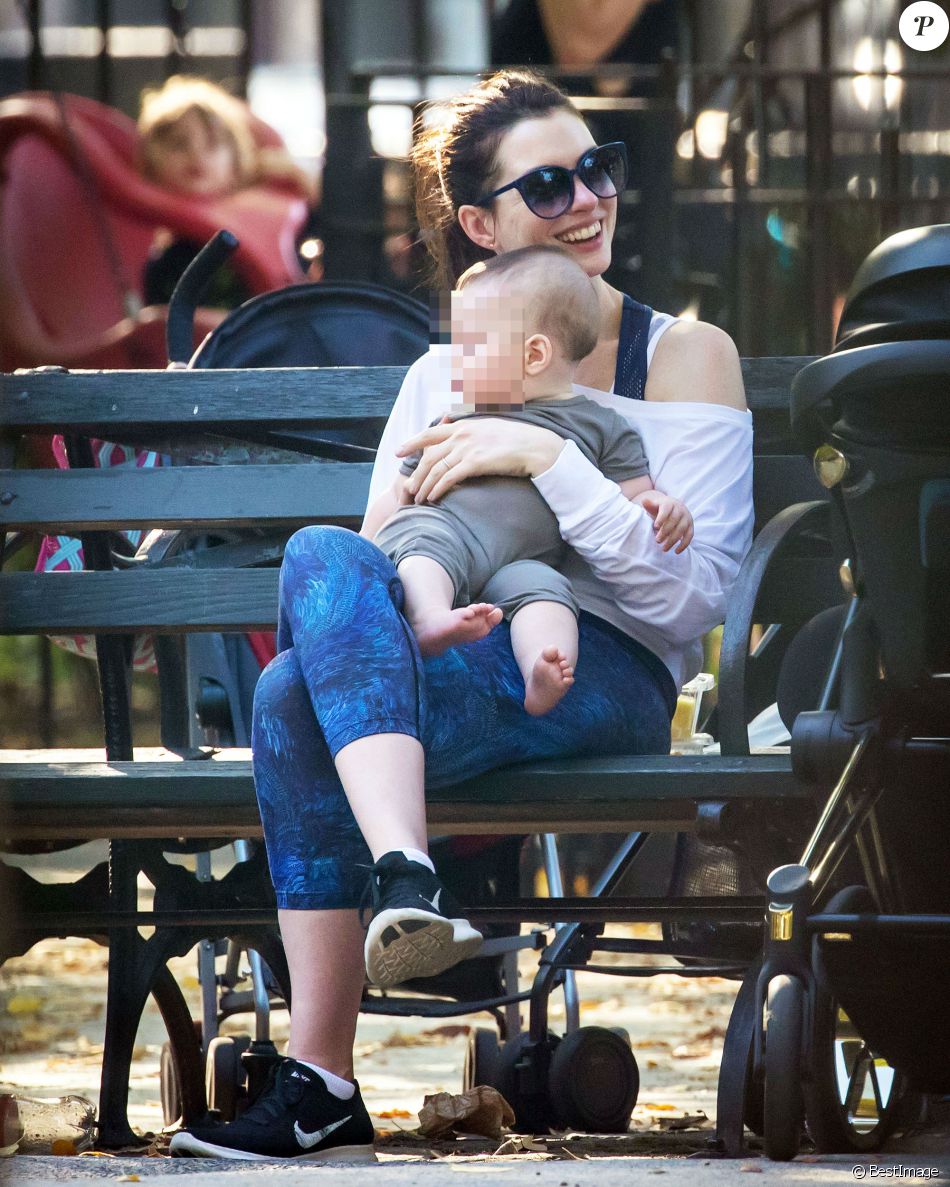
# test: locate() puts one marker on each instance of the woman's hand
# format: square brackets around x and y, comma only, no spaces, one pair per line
[474,446]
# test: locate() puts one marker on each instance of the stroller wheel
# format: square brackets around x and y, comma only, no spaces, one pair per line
[224,1074]
[854,1099]
[753,1112]
[783,1111]
[482,1059]
[532,1107]
[594,1081]
[170,1087]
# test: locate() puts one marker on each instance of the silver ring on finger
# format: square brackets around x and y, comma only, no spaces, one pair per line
[445,463]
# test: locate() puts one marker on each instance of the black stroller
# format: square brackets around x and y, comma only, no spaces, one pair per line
[330,324]
[854,987]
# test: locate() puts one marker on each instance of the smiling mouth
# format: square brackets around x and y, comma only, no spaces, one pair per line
[580,234]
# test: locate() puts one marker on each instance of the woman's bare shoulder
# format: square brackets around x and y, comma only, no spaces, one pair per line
[698,363]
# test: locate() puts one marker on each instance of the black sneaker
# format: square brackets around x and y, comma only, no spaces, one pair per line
[415,930]
[296,1118]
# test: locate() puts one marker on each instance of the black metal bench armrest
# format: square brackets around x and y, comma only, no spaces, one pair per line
[734,657]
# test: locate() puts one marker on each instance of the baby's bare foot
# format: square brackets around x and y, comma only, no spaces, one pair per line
[550,679]
[438,632]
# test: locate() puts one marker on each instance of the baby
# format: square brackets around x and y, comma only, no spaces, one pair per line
[521,322]
[197,141]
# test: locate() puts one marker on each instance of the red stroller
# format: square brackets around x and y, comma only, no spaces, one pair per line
[77,220]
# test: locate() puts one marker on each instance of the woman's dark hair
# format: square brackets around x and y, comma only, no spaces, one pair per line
[455,159]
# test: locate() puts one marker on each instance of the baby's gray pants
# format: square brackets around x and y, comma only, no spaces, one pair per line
[479,567]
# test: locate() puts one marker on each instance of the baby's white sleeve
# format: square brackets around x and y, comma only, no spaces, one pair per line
[411,413]
[682,596]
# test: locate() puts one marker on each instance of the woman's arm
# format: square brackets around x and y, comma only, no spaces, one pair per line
[385,506]
[682,595]
[472,447]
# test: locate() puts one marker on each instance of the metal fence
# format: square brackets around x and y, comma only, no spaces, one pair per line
[754,191]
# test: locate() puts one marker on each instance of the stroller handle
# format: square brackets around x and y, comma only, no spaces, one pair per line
[179,332]
[862,370]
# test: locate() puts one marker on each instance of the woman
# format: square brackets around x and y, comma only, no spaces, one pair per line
[349,721]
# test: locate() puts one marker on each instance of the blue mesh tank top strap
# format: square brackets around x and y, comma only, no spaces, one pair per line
[630,378]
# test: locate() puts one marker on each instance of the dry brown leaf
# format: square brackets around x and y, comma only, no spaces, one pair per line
[692,1051]
[389,1114]
[711,1032]
[451,1030]
[687,1121]
[24,1003]
[520,1144]
[399,1039]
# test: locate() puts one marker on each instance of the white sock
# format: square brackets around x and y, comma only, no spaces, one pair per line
[417,855]
[340,1088]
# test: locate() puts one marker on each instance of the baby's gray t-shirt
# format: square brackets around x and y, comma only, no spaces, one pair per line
[604,437]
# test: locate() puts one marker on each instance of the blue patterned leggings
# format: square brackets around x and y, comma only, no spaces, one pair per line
[348,666]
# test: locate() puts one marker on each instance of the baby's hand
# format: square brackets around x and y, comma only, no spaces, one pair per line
[672,521]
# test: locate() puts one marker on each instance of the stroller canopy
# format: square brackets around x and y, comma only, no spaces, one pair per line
[901,292]
[320,325]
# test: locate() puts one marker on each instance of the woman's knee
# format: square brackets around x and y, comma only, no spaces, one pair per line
[277,683]
[321,550]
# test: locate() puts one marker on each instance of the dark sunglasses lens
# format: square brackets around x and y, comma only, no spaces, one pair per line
[547,192]
[604,171]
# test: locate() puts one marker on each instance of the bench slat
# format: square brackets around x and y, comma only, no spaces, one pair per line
[93,400]
[98,401]
[187,496]
[279,495]
[180,599]
[160,796]
[172,602]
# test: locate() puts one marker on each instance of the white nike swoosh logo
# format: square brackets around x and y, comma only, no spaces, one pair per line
[309,1140]
[434,902]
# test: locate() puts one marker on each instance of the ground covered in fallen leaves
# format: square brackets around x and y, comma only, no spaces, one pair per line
[52,1003]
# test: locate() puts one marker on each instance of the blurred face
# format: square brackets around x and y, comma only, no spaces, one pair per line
[191,158]
[488,346]
[586,229]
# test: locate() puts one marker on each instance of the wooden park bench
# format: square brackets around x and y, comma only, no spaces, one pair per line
[226,431]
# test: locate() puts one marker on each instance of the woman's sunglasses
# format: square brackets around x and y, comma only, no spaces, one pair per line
[548,192]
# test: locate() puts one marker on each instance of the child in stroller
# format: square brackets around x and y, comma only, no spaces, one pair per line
[196,140]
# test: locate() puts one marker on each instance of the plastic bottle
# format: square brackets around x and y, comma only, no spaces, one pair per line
[685,739]
[65,1125]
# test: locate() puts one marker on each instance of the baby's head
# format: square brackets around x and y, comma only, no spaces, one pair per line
[521,322]
[195,138]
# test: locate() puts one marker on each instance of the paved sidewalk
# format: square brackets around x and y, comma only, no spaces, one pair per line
[519,1172]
